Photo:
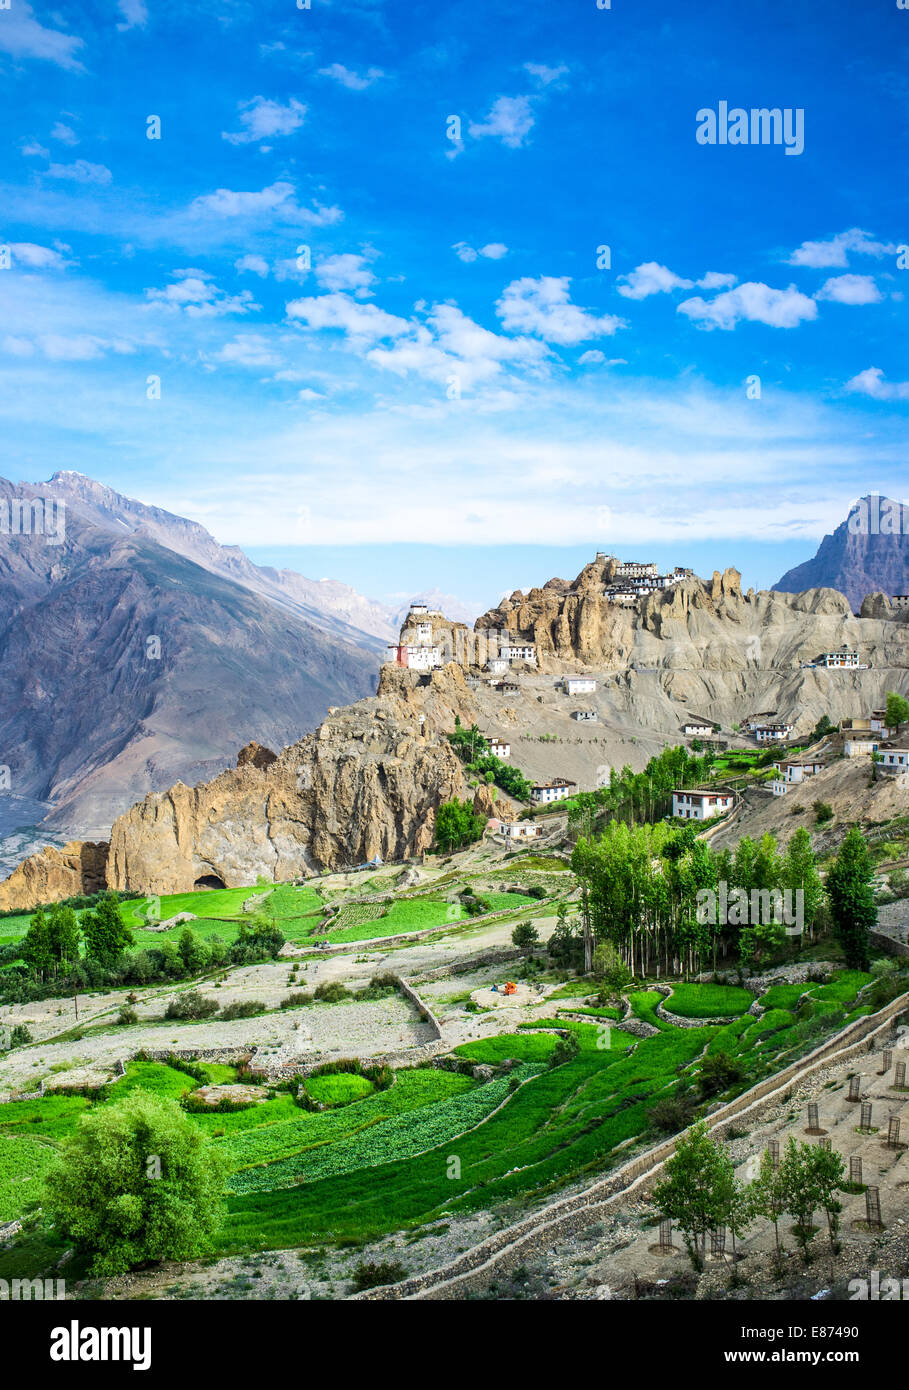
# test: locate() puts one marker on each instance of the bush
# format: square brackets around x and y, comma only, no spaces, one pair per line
[191,1005]
[331,992]
[525,936]
[374,1275]
[823,811]
[296,999]
[718,1072]
[671,1114]
[243,1008]
[127,1015]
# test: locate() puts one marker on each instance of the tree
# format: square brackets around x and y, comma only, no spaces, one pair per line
[525,936]
[105,933]
[799,1178]
[767,1195]
[829,1170]
[609,970]
[137,1181]
[63,936]
[36,945]
[897,710]
[192,952]
[851,898]
[457,824]
[696,1190]
[799,874]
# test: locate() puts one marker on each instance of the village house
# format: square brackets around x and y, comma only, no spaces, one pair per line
[499,748]
[519,652]
[415,658]
[860,745]
[693,727]
[697,804]
[616,593]
[584,716]
[757,721]
[894,756]
[579,685]
[878,724]
[843,660]
[559,789]
[634,569]
[791,773]
[772,733]
[516,829]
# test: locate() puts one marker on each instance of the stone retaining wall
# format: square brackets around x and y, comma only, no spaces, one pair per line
[423,1010]
[889,944]
[509,1247]
[375,943]
[496,955]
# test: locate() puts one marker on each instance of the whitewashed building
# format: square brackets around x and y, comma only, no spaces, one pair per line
[520,829]
[584,716]
[693,727]
[518,652]
[772,733]
[895,756]
[579,685]
[559,789]
[860,746]
[843,660]
[792,773]
[688,804]
[878,724]
[499,748]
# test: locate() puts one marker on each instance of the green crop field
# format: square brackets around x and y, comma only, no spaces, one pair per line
[527,1047]
[339,1088]
[708,1001]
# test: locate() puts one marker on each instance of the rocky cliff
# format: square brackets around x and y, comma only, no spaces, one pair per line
[52,874]
[867,552]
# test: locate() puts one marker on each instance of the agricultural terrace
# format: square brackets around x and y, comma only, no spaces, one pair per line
[545,1108]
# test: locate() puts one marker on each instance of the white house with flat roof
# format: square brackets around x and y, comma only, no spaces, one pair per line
[584,716]
[698,804]
[895,756]
[694,727]
[772,733]
[791,774]
[519,829]
[498,747]
[843,660]
[559,789]
[579,685]
[520,652]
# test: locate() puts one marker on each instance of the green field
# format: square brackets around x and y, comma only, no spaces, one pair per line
[708,1001]
[339,1088]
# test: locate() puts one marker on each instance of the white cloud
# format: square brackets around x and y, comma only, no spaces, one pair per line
[81,172]
[753,302]
[27,253]
[594,358]
[871,382]
[194,292]
[134,12]
[716,280]
[850,289]
[31,149]
[345,272]
[545,75]
[832,253]
[544,307]
[65,134]
[265,119]
[353,81]
[278,198]
[651,278]
[308,394]
[510,120]
[493,251]
[361,321]
[249,350]
[23,37]
[256,265]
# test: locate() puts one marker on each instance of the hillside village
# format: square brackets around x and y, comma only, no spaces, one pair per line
[460,919]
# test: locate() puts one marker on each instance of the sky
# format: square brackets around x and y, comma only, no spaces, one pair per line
[452,296]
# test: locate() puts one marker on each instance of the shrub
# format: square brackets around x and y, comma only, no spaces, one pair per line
[823,811]
[671,1114]
[718,1072]
[243,1008]
[127,1015]
[331,992]
[191,1005]
[374,1274]
[296,999]
[525,936]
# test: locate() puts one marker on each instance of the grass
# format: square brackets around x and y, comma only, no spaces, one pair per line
[339,1088]
[404,915]
[709,1001]
[527,1047]
[24,1159]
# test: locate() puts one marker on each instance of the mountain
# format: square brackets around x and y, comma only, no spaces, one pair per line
[134,655]
[867,553]
[327,604]
[371,778]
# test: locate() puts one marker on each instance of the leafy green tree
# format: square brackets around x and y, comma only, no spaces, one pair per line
[192,952]
[105,933]
[897,709]
[137,1181]
[851,898]
[799,874]
[36,945]
[525,936]
[799,1177]
[695,1192]
[457,824]
[829,1170]
[63,936]
[767,1195]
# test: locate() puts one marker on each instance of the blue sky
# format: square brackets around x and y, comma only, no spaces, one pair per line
[446,388]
